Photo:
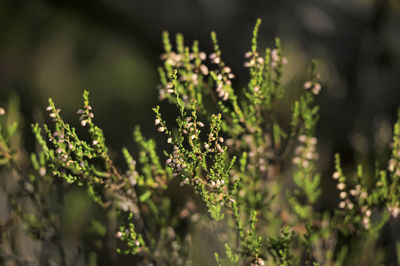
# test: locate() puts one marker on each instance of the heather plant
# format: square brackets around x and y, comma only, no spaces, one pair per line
[255,180]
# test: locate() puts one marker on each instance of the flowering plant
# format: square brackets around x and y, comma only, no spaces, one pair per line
[255,181]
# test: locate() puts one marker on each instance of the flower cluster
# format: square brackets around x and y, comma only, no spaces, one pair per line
[72,152]
[394,210]
[188,64]
[306,152]
[223,74]
[305,177]
[176,162]
[341,186]
[352,198]
[86,115]
[394,170]
[254,59]
[224,84]
[128,234]
[315,87]
[313,84]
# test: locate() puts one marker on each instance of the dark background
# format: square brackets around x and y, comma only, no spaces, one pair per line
[58,48]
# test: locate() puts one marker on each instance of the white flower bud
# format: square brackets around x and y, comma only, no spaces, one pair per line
[395,212]
[204,70]
[313,141]
[42,171]
[365,222]
[336,175]
[317,87]
[274,55]
[202,56]
[353,192]
[302,138]
[226,69]
[341,186]
[307,85]
[392,164]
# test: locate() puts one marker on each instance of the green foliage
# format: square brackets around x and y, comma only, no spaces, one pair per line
[248,175]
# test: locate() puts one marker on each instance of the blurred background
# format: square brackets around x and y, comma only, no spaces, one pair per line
[58,48]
